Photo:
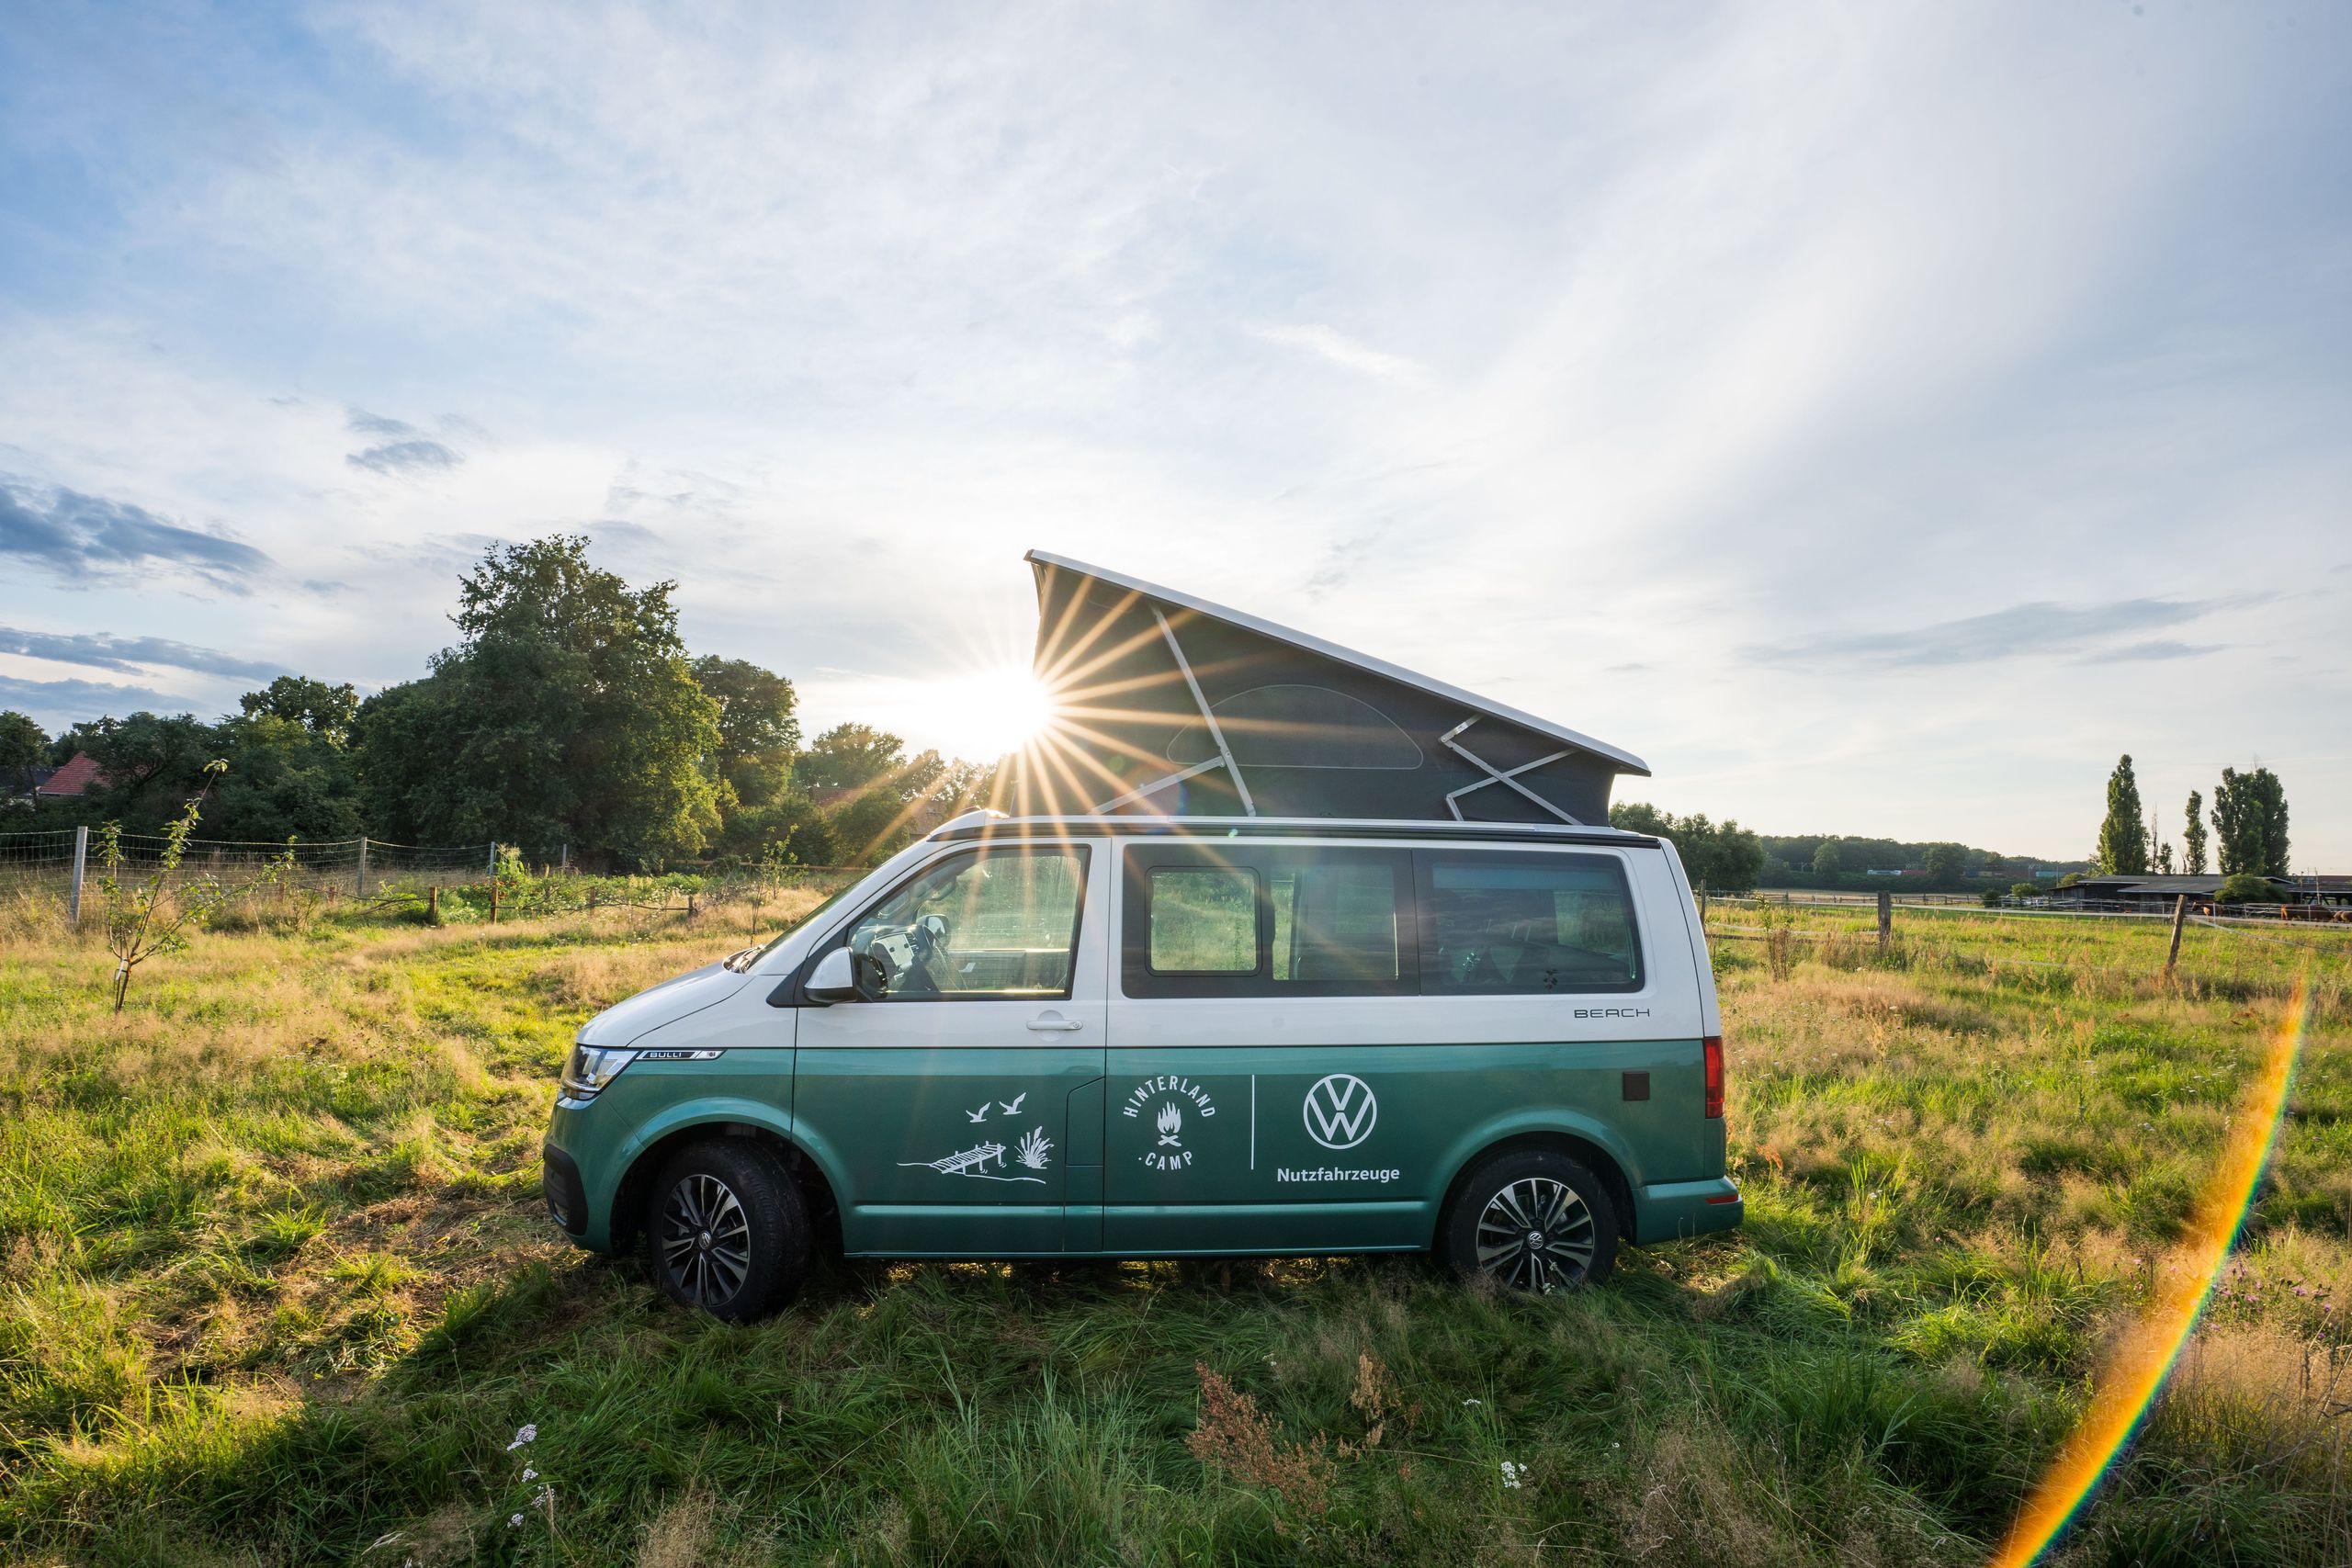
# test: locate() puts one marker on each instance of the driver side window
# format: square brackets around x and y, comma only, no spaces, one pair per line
[988,925]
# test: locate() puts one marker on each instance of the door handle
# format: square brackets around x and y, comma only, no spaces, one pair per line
[1053,1025]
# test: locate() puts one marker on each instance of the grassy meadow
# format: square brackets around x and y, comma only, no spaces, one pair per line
[276,1288]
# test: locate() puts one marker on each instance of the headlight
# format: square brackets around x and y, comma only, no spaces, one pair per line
[590,1068]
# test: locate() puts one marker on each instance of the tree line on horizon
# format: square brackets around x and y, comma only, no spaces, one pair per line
[2249,829]
[568,712]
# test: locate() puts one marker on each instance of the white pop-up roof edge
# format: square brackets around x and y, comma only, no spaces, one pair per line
[1625,759]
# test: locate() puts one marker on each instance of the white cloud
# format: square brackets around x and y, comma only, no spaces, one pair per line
[1341,350]
[1515,347]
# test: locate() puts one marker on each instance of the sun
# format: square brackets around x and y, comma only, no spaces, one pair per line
[988,713]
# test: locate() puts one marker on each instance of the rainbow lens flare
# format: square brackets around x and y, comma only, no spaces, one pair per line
[2139,1364]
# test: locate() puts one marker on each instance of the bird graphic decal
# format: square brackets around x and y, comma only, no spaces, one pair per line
[1013,1108]
[980,1115]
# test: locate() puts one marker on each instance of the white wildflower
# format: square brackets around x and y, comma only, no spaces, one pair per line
[522,1435]
[1473,1401]
[530,1474]
[1514,1475]
[513,1519]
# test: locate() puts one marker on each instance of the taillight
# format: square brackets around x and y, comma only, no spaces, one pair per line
[1713,1047]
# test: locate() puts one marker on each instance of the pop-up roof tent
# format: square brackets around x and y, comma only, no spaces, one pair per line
[1169,705]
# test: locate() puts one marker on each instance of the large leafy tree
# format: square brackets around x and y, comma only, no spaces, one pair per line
[325,710]
[2250,821]
[758,730]
[2123,841]
[2192,836]
[23,747]
[151,763]
[1946,862]
[568,712]
[1826,860]
[1724,858]
[852,756]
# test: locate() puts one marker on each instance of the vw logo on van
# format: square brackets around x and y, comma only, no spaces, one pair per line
[1341,1112]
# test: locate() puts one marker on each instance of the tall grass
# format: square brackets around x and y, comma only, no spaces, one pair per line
[275,1289]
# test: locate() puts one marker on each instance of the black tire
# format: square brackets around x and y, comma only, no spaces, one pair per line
[1529,1219]
[726,1231]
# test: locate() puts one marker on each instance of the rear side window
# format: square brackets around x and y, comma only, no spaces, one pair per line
[1499,923]
[1244,919]
[1203,921]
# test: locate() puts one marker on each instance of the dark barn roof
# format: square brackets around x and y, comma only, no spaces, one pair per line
[1169,704]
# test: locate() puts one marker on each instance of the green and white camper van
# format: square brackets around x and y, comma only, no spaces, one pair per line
[1175,1023]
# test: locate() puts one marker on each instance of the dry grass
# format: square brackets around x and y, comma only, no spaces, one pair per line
[274,1285]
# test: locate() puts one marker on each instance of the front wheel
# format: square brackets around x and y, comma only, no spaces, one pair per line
[726,1231]
[1532,1220]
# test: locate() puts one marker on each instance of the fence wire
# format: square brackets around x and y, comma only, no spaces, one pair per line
[34,860]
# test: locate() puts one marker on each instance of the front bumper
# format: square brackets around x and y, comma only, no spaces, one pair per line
[567,1199]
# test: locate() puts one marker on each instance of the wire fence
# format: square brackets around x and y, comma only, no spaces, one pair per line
[2109,908]
[464,881]
[31,861]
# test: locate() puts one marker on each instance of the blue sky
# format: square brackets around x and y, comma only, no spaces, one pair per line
[1876,416]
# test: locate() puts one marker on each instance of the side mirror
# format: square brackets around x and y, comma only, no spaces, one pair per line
[842,975]
[834,979]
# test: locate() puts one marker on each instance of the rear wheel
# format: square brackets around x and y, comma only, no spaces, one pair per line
[726,1230]
[1530,1220]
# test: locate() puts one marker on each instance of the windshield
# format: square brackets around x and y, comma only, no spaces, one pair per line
[741,962]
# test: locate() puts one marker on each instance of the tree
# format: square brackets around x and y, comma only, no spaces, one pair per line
[2022,890]
[325,711]
[153,763]
[758,729]
[1722,859]
[1826,861]
[152,917]
[2245,887]
[2192,836]
[2122,849]
[287,778]
[850,756]
[23,746]
[2250,821]
[1946,862]
[567,713]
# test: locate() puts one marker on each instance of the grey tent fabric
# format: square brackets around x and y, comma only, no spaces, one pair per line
[1170,704]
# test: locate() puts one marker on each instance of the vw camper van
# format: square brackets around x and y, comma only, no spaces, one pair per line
[1116,1037]
[1286,950]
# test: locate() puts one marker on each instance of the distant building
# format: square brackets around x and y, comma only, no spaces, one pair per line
[68,781]
[2336,890]
[2154,894]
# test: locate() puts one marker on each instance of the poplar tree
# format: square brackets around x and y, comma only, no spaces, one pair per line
[2250,820]
[2192,837]
[2122,844]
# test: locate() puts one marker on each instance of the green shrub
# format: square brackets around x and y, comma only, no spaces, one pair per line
[2244,888]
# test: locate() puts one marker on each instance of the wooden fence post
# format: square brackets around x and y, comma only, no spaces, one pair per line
[1885,918]
[493,900]
[81,864]
[690,903]
[433,904]
[363,865]
[592,899]
[2179,918]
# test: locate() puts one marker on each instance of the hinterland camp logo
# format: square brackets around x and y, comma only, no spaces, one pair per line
[1341,1112]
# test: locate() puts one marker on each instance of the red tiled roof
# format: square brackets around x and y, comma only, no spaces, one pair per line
[72,778]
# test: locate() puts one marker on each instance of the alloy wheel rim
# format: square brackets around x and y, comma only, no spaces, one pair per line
[1537,1235]
[705,1240]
